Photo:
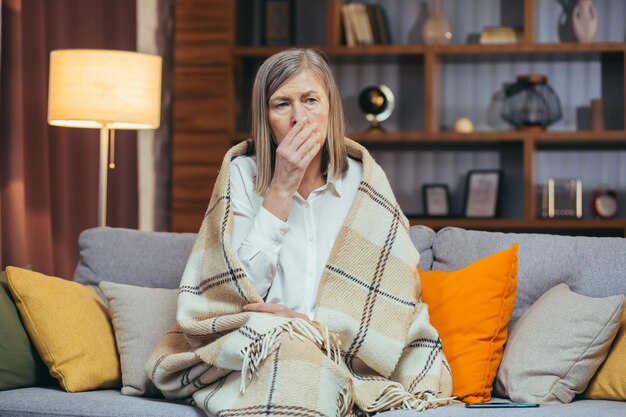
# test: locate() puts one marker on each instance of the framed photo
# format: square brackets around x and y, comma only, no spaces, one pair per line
[482,190]
[436,199]
[562,198]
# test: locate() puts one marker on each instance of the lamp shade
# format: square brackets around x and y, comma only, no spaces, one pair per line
[94,88]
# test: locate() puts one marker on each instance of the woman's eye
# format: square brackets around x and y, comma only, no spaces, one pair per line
[281,105]
[311,100]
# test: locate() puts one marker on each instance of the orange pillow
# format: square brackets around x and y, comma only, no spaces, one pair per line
[471,309]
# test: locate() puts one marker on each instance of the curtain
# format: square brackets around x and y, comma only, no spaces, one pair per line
[49,175]
[155,34]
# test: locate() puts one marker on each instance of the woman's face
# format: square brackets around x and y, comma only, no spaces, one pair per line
[301,96]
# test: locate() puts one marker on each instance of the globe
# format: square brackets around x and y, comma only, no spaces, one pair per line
[373,101]
[377,102]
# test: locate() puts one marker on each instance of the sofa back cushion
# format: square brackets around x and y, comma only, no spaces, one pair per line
[591,266]
[423,238]
[146,259]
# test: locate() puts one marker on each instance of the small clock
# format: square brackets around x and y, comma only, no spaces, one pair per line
[604,204]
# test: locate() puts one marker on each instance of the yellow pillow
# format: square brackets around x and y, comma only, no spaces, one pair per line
[70,327]
[471,309]
[609,382]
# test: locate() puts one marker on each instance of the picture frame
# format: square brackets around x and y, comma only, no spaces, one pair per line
[436,200]
[482,192]
[562,198]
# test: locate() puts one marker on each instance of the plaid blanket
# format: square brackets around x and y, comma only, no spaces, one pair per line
[370,349]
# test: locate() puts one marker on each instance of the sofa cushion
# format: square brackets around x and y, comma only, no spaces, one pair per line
[591,266]
[70,327]
[46,402]
[140,316]
[609,383]
[423,238]
[20,365]
[471,309]
[146,259]
[557,345]
[585,408]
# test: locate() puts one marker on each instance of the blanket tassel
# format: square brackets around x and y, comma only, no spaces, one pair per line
[396,397]
[255,353]
[345,401]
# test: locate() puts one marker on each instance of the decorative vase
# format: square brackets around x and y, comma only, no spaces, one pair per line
[565,24]
[436,29]
[585,20]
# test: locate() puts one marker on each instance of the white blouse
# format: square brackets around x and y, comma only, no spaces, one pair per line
[285,260]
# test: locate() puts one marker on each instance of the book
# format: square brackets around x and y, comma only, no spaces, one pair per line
[279,22]
[380,28]
[364,25]
[348,30]
[500,35]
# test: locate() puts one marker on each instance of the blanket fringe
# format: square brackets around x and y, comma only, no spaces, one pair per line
[345,401]
[257,351]
[396,397]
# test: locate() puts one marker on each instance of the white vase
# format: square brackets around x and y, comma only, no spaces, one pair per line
[585,21]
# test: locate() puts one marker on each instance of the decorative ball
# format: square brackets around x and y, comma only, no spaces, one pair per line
[463,125]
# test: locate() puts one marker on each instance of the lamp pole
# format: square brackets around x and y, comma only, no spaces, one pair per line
[102,191]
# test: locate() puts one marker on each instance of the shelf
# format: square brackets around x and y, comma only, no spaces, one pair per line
[376,50]
[592,140]
[417,137]
[256,51]
[433,84]
[339,51]
[453,49]
[520,224]
[548,137]
[435,136]
[523,48]
[581,135]
[567,136]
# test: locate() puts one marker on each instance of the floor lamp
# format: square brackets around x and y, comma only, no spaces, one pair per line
[106,90]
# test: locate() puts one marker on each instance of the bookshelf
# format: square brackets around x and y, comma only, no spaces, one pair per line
[218,48]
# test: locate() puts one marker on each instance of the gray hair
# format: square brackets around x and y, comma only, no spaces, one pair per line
[273,73]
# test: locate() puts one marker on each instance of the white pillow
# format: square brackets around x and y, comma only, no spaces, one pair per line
[557,345]
[140,316]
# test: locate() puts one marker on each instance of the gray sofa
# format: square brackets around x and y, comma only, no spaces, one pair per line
[591,266]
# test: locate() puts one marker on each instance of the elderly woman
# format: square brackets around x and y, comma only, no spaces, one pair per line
[290,199]
[301,295]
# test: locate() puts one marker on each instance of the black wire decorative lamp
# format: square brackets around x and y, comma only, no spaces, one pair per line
[530,103]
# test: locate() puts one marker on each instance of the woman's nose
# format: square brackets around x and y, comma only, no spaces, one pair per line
[297,113]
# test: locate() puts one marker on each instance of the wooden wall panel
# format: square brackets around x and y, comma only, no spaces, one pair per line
[202,107]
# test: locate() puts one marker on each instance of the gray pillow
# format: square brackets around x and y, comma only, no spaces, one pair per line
[140,316]
[146,259]
[557,345]
[423,238]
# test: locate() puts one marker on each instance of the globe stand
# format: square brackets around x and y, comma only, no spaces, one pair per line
[374,126]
